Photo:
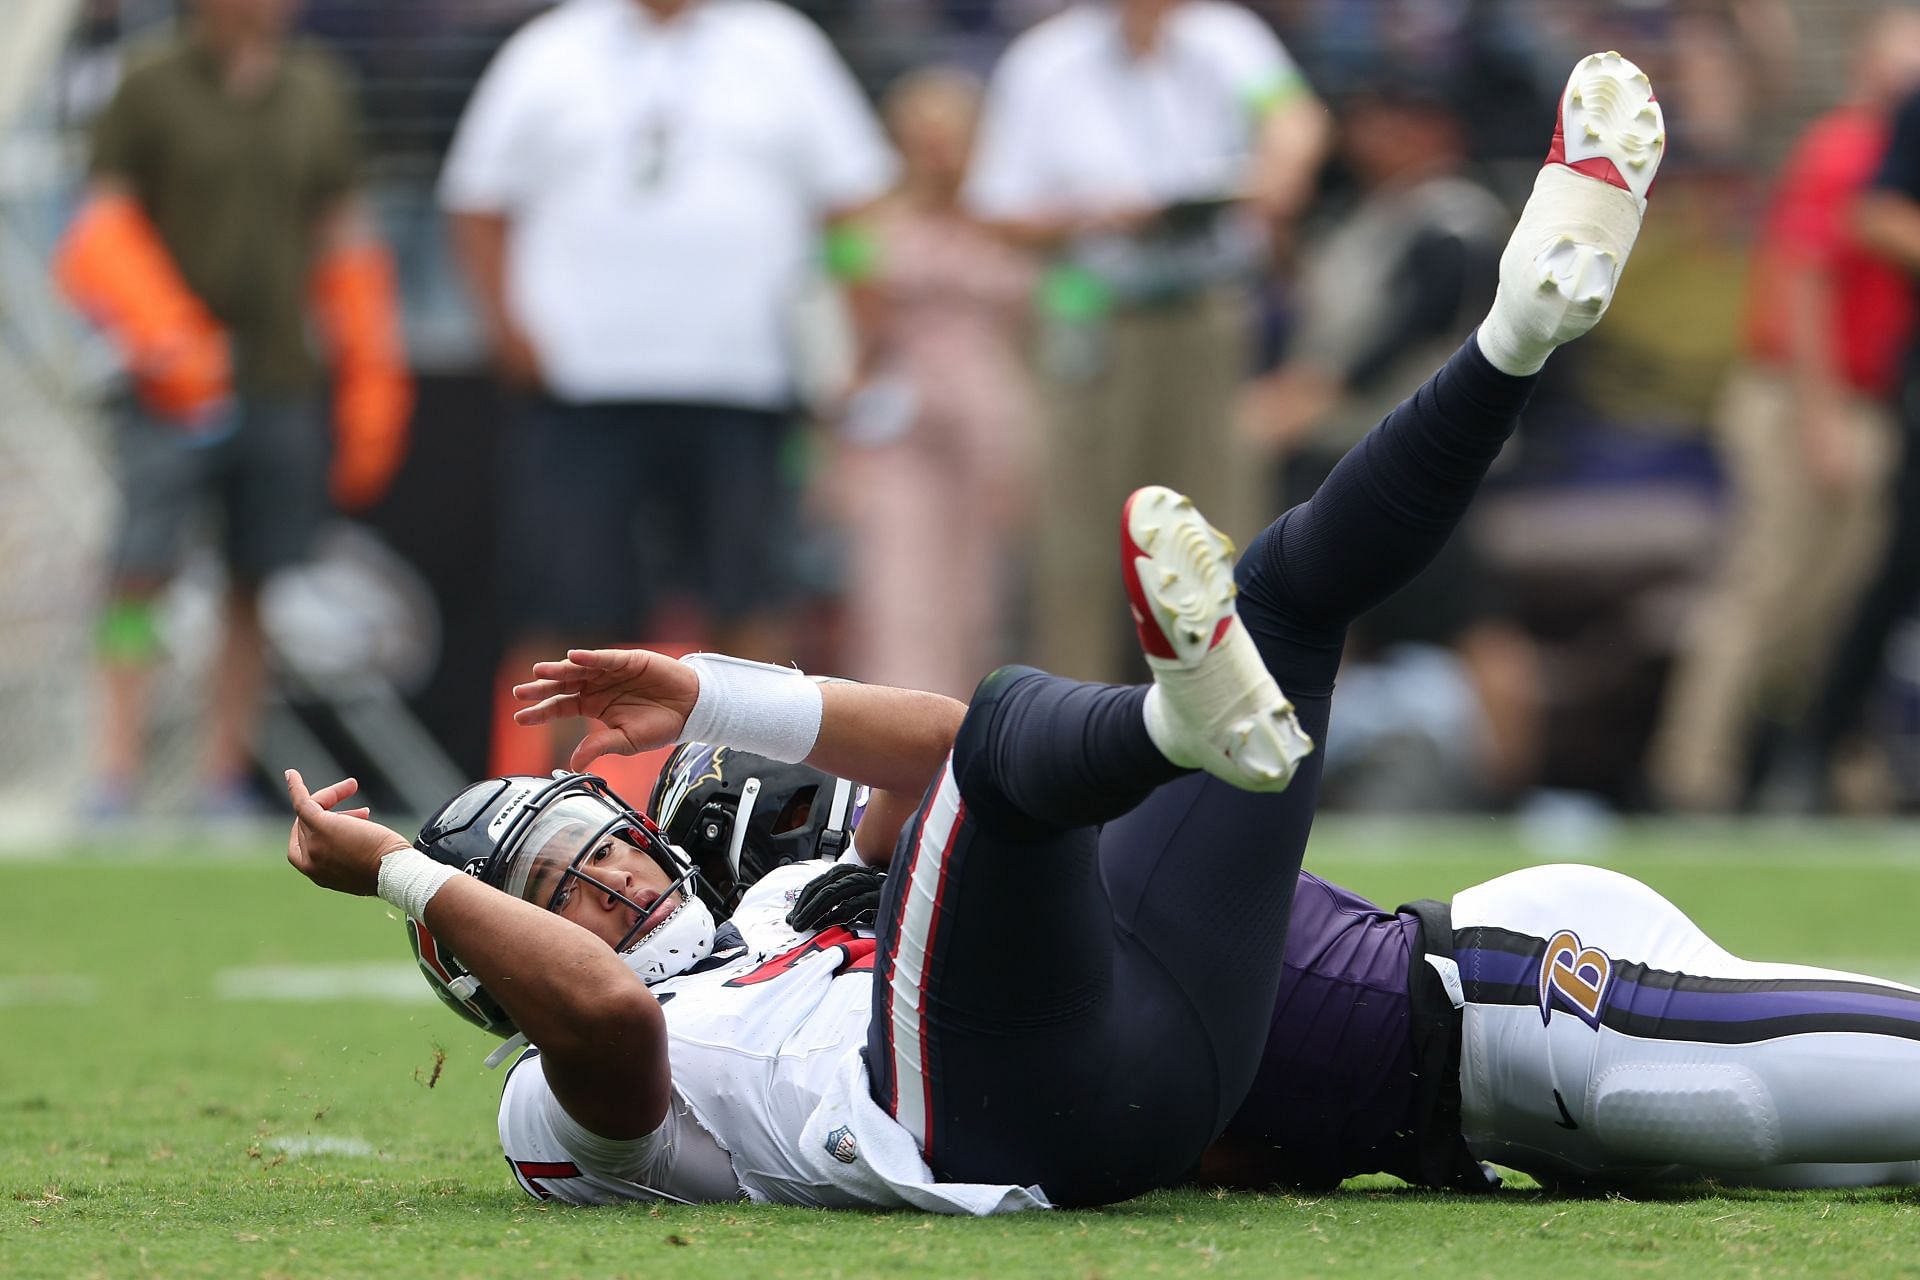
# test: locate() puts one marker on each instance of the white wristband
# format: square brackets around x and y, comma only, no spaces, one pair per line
[409,879]
[754,706]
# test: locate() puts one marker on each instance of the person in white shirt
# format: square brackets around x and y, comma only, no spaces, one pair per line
[1148,146]
[638,190]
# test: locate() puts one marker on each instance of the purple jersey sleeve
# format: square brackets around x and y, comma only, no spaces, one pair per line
[1335,1092]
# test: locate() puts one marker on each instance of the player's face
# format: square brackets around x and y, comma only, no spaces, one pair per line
[614,870]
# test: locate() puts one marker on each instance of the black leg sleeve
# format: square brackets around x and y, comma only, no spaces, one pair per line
[1390,504]
[1039,754]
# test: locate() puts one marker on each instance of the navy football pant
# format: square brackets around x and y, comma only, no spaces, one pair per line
[1081,944]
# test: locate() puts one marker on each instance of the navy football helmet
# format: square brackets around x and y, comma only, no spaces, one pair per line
[531,837]
[739,815]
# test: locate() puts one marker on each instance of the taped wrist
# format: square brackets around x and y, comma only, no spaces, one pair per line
[409,879]
[754,706]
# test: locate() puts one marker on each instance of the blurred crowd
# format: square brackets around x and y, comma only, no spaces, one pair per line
[837,333]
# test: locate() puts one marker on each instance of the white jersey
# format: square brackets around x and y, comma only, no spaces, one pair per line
[770,1098]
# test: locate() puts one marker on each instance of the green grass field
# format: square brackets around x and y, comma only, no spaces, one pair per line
[186,1090]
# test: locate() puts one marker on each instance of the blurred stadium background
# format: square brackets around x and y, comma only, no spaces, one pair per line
[1596,540]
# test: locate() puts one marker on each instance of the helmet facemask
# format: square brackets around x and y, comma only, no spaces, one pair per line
[546,852]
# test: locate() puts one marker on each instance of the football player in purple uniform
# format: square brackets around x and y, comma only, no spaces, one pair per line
[1076,955]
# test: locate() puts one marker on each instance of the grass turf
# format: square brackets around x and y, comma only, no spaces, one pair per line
[160,1116]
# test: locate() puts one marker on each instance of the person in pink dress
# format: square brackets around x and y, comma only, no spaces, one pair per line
[936,438]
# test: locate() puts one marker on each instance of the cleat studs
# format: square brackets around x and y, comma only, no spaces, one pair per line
[1593,134]
[1148,536]
[1193,635]
[1168,577]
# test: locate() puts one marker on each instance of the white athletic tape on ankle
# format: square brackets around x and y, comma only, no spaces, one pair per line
[754,706]
[409,879]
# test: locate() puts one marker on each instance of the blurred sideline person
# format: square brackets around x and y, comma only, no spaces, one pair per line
[1887,219]
[221,221]
[638,189]
[936,442]
[1537,1021]
[1806,432]
[1396,281]
[1151,834]
[1141,145]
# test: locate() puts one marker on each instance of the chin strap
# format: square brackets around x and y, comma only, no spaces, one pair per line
[742,814]
[508,1047]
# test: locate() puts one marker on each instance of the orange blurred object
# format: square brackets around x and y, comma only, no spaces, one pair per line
[356,301]
[115,268]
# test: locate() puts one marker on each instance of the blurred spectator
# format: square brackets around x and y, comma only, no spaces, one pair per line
[936,443]
[1501,74]
[638,189]
[1392,285]
[221,218]
[1887,220]
[1806,435]
[1140,143]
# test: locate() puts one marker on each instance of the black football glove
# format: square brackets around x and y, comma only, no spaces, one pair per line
[848,894]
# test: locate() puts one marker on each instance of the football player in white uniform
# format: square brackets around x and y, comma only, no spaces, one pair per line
[1088,1044]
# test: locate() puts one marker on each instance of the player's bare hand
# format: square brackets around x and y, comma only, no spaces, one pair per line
[641,698]
[335,848]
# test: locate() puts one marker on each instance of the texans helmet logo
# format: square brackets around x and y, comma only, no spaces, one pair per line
[1577,974]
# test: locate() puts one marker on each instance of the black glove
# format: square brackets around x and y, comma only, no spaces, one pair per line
[848,894]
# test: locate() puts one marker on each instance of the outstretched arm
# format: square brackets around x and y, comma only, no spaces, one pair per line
[600,1032]
[890,739]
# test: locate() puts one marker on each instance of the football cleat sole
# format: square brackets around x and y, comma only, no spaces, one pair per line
[1610,127]
[1178,571]
[1215,706]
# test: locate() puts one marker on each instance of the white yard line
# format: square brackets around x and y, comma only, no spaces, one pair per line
[397,982]
[48,988]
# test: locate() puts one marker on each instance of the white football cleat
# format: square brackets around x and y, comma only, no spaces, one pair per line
[1564,259]
[1213,705]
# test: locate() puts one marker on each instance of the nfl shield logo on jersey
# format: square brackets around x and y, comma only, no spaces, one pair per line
[841,1146]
